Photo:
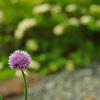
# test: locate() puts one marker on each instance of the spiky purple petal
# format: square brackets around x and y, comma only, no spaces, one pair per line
[19,60]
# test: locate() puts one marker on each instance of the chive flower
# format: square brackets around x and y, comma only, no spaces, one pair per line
[19,60]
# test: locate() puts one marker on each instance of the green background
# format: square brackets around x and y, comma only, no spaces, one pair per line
[58,34]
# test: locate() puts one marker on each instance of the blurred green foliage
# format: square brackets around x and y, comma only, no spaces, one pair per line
[52,31]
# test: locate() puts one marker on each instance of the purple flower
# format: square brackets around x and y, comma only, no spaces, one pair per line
[19,60]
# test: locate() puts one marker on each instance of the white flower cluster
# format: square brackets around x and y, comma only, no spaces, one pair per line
[71,7]
[98,23]
[85,19]
[1,16]
[59,29]
[70,65]
[55,9]
[35,65]
[73,21]
[23,26]
[1,65]
[41,8]
[32,45]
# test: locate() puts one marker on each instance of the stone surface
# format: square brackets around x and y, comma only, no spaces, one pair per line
[81,84]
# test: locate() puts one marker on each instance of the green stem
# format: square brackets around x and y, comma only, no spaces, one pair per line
[0,98]
[25,82]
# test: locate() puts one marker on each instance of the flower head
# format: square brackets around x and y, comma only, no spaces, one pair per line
[19,60]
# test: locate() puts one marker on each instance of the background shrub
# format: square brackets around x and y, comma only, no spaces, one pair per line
[56,33]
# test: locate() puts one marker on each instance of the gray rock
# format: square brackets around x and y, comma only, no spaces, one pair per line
[64,85]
